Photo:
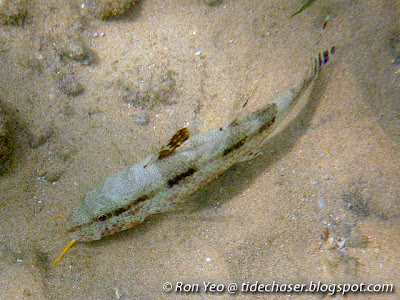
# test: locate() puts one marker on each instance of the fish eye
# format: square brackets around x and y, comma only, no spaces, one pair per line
[102,218]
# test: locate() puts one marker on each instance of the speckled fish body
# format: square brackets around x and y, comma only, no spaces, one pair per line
[162,182]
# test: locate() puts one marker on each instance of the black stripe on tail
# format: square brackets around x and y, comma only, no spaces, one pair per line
[322,59]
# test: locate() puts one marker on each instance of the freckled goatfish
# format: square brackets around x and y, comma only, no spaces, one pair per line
[164,181]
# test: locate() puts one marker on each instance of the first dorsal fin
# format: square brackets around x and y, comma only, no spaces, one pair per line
[177,139]
[181,136]
[240,114]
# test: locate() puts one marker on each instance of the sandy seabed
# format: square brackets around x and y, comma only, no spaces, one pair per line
[321,204]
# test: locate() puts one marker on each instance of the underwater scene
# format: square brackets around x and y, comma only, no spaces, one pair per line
[199,149]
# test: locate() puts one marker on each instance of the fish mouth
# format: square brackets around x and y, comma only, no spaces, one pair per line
[74,229]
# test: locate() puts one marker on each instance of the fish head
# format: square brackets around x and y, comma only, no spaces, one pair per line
[96,217]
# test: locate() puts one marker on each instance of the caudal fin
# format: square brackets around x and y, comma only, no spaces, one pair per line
[288,99]
[312,70]
[322,59]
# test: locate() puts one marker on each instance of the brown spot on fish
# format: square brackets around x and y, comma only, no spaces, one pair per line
[120,211]
[177,140]
[273,110]
[134,211]
[108,231]
[234,147]
[181,176]
[268,124]
[143,198]
[128,207]
[134,223]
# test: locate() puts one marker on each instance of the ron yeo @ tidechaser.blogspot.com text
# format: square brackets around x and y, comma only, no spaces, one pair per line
[275,287]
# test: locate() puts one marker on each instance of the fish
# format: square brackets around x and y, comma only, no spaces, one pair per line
[164,181]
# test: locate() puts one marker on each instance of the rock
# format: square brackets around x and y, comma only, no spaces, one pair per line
[13,12]
[105,9]
[73,47]
[54,174]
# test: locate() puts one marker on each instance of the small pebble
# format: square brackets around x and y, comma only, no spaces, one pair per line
[142,119]
[76,49]
[53,175]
